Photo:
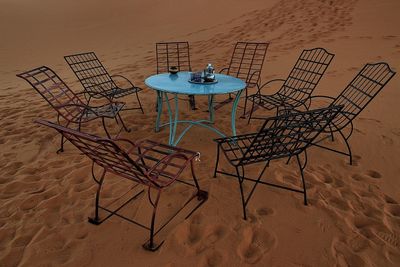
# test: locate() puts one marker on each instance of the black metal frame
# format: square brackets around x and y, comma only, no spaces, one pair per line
[68,105]
[177,54]
[355,97]
[297,88]
[145,163]
[284,136]
[246,63]
[96,80]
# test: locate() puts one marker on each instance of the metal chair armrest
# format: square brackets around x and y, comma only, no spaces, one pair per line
[223,70]
[323,96]
[270,81]
[124,78]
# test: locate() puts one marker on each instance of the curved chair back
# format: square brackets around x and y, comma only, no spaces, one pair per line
[91,73]
[306,74]
[54,90]
[247,61]
[360,91]
[102,151]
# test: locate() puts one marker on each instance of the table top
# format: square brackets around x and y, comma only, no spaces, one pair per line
[179,83]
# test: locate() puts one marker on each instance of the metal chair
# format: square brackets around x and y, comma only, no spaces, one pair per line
[97,82]
[283,137]
[68,105]
[146,163]
[355,97]
[298,86]
[176,54]
[246,63]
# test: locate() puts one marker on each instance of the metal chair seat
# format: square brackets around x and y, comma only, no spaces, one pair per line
[109,111]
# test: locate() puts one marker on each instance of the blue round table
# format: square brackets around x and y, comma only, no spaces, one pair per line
[179,84]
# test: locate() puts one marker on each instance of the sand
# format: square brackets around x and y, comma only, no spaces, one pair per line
[353,218]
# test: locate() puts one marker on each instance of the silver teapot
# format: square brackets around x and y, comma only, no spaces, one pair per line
[209,73]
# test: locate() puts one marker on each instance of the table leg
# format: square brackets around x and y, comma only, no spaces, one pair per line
[159,109]
[211,107]
[172,122]
[234,108]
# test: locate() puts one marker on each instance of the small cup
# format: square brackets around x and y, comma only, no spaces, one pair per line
[173,70]
[195,77]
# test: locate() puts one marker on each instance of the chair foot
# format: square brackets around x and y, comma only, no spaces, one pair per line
[60,151]
[202,195]
[94,221]
[152,247]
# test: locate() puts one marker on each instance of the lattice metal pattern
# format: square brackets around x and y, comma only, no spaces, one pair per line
[146,162]
[360,91]
[282,136]
[173,54]
[50,86]
[305,75]
[248,59]
[91,73]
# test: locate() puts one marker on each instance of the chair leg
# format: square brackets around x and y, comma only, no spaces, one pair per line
[201,195]
[105,128]
[96,219]
[192,102]
[61,149]
[123,124]
[302,179]
[251,111]
[150,245]
[245,104]
[217,161]
[140,104]
[348,147]
[240,180]
[330,129]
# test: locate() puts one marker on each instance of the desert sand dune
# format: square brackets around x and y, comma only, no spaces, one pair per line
[353,216]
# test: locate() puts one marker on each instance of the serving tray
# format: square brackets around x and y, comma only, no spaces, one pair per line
[203,82]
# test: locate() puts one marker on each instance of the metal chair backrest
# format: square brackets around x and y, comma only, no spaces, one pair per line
[306,74]
[247,61]
[91,73]
[360,91]
[170,54]
[50,86]
[288,135]
[104,152]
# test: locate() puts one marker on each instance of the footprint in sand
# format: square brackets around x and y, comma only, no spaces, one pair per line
[373,174]
[215,258]
[387,140]
[255,244]
[264,211]
[345,256]
[394,210]
[392,239]
[390,200]
[212,236]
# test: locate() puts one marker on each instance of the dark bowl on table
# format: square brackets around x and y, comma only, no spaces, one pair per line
[173,70]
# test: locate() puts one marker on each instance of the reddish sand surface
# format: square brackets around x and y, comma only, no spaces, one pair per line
[353,216]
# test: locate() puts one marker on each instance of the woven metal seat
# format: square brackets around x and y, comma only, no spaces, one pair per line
[68,105]
[151,165]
